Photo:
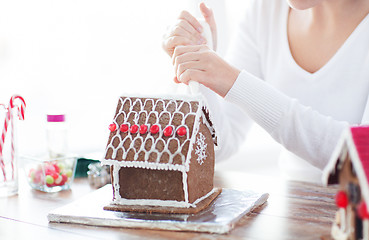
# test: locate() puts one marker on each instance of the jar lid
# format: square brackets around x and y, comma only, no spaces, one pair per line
[56,118]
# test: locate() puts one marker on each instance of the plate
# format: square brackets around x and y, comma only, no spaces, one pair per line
[220,217]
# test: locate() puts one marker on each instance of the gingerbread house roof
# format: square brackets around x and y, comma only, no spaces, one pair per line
[156,133]
[355,144]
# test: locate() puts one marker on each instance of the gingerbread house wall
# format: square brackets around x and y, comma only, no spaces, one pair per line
[140,183]
[200,177]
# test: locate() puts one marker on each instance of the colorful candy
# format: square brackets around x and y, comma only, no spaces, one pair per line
[154,129]
[143,129]
[51,174]
[168,131]
[49,180]
[181,131]
[112,127]
[134,128]
[124,128]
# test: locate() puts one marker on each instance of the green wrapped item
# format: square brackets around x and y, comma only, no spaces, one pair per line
[82,167]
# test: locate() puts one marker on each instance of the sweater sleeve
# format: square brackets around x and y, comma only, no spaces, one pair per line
[230,122]
[298,128]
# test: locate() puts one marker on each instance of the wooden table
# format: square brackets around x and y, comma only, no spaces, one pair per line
[294,211]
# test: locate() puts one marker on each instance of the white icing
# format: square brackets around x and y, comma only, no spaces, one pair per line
[201,148]
[185,186]
[116,183]
[343,218]
[153,202]
[338,234]
[204,197]
[148,137]
[156,202]
[147,165]
[343,231]
[196,127]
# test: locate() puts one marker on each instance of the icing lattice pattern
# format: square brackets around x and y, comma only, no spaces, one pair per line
[152,147]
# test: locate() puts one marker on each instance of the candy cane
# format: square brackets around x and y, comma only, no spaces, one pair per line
[21,108]
[12,142]
[21,117]
[5,129]
[2,140]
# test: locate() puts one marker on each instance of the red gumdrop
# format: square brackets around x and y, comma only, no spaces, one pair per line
[112,127]
[124,127]
[134,128]
[154,129]
[341,199]
[181,131]
[57,169]
[49,169]
[55,175]
[64,178]
[143,129]
[363,211]
[168,131]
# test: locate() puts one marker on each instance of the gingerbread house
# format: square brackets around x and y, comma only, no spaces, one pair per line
[349,167]
[161,153]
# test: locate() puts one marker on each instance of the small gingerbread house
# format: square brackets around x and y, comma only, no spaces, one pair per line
[161,153]
[349,167]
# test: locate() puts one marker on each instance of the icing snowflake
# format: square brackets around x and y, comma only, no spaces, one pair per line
[201,148]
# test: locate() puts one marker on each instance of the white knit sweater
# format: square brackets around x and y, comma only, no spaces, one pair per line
[305,112]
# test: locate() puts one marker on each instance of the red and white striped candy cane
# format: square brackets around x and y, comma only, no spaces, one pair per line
[21,108]
[2,164]
[12,141]
[9,118]
[20,111]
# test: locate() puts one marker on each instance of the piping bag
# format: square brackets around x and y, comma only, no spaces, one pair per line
[206,33]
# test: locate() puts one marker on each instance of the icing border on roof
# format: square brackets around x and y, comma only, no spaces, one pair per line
[196,127]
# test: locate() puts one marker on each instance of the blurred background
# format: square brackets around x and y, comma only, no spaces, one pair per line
[77,57]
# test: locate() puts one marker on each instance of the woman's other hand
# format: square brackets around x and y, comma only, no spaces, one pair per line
[208,15]
[201,64]
[187,30]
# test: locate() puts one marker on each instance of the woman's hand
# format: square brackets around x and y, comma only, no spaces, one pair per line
[201,64]
[187,31]
[208,15]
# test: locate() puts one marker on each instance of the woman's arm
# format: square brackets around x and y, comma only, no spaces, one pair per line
[300,129]
[232,124]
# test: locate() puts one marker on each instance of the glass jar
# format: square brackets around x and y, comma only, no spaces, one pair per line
[56,133]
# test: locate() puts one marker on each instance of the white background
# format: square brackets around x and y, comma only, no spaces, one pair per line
[78,56]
